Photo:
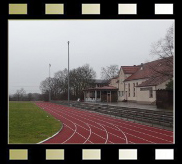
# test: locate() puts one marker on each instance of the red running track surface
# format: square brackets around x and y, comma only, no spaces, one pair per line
[85,127]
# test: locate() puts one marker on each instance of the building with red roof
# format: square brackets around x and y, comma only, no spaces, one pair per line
[139,83]
[136,83]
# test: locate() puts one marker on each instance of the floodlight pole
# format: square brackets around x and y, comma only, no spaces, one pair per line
[68,78]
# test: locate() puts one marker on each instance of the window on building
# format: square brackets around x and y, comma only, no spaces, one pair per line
[151,93]
[121,93]
[121,81]
[137,84]
[98,94]
[128,89]
[92,94]
[133,89]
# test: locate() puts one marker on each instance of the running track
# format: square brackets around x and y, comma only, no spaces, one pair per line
[85,127]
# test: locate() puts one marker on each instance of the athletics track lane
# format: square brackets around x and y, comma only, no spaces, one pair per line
[81,126]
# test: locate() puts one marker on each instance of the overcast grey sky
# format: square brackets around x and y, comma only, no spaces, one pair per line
[100,43]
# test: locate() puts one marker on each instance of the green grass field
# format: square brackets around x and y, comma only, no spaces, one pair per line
[30,124]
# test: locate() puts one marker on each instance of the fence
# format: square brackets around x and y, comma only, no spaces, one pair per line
[164,99]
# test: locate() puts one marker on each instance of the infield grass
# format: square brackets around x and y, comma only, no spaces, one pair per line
[29,124]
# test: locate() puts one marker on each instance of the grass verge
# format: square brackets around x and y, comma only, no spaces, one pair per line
[29,124]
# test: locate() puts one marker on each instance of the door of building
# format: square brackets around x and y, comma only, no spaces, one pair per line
[108,96]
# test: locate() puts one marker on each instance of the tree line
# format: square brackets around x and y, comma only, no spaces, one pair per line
[21,95]
[79,79]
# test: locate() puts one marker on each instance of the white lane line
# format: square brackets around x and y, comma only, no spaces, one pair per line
[113,128]
[128,129]
[78,134]
[89,134]
[123,134]
[72,134]
[51,136]
[106,133]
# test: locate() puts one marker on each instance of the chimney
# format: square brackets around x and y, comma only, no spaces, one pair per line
[141,66]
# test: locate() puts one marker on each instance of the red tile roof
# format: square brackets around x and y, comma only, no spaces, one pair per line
[154,81]
[130,69]
[153,69]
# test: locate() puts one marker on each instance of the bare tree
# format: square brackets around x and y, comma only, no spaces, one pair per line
[49,84]
[20,94]
[61,80]
[80,78]
[44,85]
[164,50]
[30,97]
[165,46]
[109,72]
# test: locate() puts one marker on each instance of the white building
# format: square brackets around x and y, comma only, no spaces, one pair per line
[139,83]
